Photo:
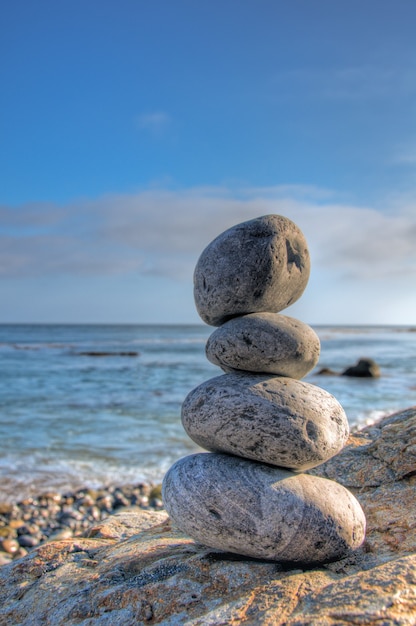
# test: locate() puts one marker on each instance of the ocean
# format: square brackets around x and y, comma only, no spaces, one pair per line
[92,405]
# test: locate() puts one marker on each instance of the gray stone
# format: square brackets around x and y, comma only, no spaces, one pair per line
[263,512]
[259,265]
[275,420]
[265,342]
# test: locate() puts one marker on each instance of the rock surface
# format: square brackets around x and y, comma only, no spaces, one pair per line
[265,342]
[136,569]
[275,420]
[259,265]
[260,511]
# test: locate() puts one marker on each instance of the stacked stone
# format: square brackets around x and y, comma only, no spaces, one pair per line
[262,425]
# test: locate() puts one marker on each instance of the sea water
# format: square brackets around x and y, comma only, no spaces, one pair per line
[97,405]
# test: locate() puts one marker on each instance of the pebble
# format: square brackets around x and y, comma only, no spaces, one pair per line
[51,516]
[10,546]
[65,533]
[277,420]
[252,509]
[265,342]
[259,265]
[28,541]
[5,558]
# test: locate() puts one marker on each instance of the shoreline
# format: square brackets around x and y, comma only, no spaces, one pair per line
[52,516]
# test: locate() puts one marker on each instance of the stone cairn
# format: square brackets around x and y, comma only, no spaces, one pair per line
[262,425]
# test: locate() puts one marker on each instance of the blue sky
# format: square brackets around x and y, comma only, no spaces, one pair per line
[132,133]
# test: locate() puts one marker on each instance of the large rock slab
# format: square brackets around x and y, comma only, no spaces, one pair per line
[265,342]
[137,568]
[275,420]
[263,512]
[259,265]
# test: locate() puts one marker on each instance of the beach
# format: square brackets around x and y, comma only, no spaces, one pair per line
[52,516]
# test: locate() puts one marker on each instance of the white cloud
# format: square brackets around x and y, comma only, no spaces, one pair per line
[155,123]
[163,232]
[356,82]
[363,258]
[405,155]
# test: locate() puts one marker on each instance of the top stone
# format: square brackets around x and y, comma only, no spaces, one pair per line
[259,265]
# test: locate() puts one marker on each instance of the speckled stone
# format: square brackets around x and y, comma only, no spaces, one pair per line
[275,420]
[265,342]
[259,511]
[259,265]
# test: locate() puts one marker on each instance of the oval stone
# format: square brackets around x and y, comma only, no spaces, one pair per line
[259,265]
[260,511]
[265,342]
[275,420]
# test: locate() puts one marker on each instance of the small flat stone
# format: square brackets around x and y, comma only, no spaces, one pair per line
[263,512]
[5,559]
[265,342]
[10,546]
[5,508]
[65,533]
[275,420]
[28,541]
[259,265]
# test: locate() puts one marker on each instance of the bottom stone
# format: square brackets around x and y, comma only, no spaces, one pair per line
[256,510]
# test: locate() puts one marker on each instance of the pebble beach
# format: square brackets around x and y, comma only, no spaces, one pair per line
[52,516]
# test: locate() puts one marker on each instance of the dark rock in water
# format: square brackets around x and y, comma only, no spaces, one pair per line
[259,265]
[326,371]
[255,510]
[100,353]
[365,368]
[265,342]
[275,420]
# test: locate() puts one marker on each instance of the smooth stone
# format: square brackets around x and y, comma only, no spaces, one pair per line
[28,541]
[263,512]
[65,533]
[275,420]
[10,546]
[265,342]
[5,559]
[259,265]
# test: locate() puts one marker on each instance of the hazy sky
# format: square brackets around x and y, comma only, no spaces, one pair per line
[133,132]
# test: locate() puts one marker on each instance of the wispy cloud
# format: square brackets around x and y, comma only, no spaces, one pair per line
[155,122]
[358,82]
[162,232]
[405,155]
